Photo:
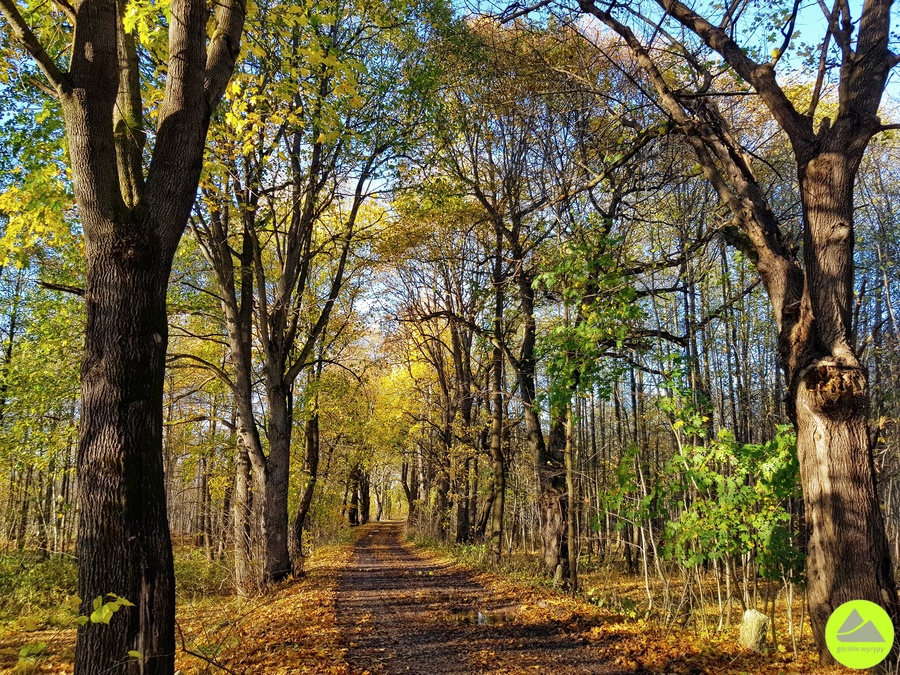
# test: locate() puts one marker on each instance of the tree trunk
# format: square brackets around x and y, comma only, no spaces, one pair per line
[351,509]
[123,535]
[546,455]
[498,461]
[848,557]
[311,470]
[553,533]
[571,532]
[22,529]
[277,557]
[245,578]
[410,481]
[365,500]
[132,220]
[463,531]
[225,520]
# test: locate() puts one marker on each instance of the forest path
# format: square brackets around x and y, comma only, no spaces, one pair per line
[402,613]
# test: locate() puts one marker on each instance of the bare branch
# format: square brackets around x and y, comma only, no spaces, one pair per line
[788,34]
[50,91]
[516,10]
[206,365]
[50,286]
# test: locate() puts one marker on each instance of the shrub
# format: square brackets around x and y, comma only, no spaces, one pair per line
[40,588]
[198,576]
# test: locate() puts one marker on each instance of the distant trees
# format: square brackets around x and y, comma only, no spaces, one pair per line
[517,282]
[282,219]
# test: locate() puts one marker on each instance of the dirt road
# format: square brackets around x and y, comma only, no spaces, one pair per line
[401,613]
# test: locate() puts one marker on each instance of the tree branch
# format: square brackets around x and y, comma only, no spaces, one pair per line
[50,286]
[34,47]
[223,49]
[67,9]
[206,365]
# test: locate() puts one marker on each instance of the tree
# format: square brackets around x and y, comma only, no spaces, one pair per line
[827,385]
[133,218]
[317,113]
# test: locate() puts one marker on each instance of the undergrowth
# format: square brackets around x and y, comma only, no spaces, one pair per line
[611,614]
[518,565]
[41,590]
[44,591]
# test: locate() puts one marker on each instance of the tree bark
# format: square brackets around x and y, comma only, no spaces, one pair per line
[410,480]
[311,469]
[830,406]
[365,499]
[498,461]
[123,536]
[277,558]
[245,577]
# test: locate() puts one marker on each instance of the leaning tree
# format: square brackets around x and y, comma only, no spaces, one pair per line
[811,297]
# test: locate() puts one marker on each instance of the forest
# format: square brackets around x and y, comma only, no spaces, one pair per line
[595,296]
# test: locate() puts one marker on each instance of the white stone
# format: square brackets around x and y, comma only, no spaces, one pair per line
[753,630]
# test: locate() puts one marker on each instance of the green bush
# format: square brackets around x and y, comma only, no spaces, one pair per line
[198,576]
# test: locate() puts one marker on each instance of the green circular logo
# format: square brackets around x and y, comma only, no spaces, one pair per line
[859,634]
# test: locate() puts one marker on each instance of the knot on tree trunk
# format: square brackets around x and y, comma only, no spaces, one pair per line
[134,249]
[835,388]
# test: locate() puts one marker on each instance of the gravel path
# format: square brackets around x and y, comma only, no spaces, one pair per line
[401,613]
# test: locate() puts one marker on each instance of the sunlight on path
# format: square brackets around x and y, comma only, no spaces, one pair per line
[402,613]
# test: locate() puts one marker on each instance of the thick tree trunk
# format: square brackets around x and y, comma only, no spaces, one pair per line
[848,557]
[547,455]
[277,557]
[123,535]
[132,221]
[553,534]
